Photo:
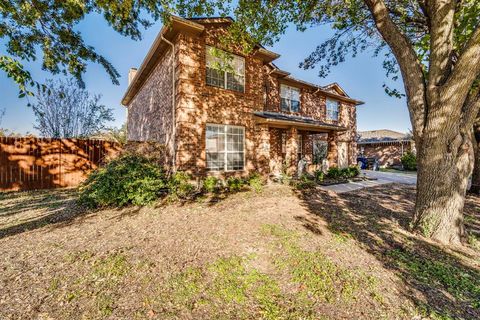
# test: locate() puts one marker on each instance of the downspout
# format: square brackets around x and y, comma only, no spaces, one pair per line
[174,134]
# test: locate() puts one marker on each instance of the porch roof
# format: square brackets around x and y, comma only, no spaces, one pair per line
[306,123]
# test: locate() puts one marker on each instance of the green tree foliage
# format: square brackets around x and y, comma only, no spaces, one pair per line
[118,135]
[46,29]
[65,110]
[409,161]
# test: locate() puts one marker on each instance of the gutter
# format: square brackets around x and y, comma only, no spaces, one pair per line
[174,133]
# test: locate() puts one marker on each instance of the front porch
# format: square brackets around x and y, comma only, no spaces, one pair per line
[284,140]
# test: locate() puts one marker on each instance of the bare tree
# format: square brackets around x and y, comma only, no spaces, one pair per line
[64,110]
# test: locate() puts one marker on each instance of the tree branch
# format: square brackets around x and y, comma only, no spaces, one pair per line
[441,39]
[467,69]
[410,67]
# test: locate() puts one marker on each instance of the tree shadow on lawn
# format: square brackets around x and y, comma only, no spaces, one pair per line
[439,281]
[56,208]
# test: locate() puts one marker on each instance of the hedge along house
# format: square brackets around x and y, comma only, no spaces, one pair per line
[248,117]
[387,146]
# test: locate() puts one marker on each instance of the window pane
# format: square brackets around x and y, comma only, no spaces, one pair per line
[235,139]
[235,161]
[284,92]
[299,143]
[218,152]
[295,94]
[295,105]
[332,109]
[290,98]
[215,77]
[215,147]
[235,82]
[285,104]
[221,64]
[216,161]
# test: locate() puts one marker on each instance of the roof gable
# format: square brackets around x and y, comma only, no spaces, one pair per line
[335,88]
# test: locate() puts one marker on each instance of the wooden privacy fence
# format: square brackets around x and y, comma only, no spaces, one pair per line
[40,163]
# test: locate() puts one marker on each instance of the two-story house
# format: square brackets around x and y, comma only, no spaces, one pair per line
[248,117]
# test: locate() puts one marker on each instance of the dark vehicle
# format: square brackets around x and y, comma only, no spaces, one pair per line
[368,163]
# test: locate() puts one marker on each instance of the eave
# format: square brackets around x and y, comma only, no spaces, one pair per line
[156,50]
[309,125]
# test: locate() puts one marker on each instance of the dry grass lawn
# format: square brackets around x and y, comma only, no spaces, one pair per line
[278,254]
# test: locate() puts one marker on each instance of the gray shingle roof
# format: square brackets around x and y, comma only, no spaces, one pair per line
[299,119]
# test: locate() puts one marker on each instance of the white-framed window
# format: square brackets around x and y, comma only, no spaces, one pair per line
[332,109]
[225,70]
[289,98]
[225,147]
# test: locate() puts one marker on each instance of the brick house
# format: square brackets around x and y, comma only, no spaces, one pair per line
[387,146]
[248,117]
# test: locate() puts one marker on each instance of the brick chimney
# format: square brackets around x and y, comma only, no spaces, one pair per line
[131,74]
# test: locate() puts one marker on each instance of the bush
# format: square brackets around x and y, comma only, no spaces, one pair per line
[255,182]
[409,161]
[334,173]
[235,184]
[305,182]
[128,179]
[349,172]
[179,185]
[354,171]
[319,175]
[210,184]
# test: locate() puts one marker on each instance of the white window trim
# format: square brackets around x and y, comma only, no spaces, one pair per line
[290,100]
[225,126]
[225,74]
[329,113]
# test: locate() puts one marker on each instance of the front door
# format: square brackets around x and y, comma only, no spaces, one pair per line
[342,154]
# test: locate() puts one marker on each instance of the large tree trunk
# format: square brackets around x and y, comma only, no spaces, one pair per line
[476,169]
[444,166]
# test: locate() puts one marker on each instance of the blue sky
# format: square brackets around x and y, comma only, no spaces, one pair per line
[361,77]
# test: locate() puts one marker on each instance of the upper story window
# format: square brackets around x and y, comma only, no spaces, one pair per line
[225,70]
[332,110]
[290,98]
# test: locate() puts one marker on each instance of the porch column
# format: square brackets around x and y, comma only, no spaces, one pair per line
[332,154]
[263,149]
[291,150]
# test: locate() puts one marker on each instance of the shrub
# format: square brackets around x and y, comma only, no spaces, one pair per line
[334,173]
[179,185]
[319,175]
[210,184]
[409,161]
[255,182]
[235,184]
[128,179]
[354,171]
[349,172]
[305,184]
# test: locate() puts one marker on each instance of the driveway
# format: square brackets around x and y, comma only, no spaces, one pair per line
[382,178]
[394,177]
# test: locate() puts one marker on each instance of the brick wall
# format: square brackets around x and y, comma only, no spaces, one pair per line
[387,154]
[196,104]
[199,104]
[150,111]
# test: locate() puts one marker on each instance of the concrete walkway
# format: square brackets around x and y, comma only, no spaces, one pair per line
[382,178]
